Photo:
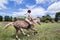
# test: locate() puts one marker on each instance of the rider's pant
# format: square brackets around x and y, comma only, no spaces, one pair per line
[28,20]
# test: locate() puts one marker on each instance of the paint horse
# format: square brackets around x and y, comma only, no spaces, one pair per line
[22,24]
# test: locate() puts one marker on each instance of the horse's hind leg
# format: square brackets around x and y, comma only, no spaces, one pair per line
[17,35]
[21,30]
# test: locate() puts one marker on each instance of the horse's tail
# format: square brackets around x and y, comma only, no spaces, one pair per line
[6,26]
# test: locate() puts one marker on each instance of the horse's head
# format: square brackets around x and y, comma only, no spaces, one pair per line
[37,20]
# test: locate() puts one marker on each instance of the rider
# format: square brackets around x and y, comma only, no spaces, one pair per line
[28,17]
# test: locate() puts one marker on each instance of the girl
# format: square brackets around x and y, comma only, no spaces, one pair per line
[28,17]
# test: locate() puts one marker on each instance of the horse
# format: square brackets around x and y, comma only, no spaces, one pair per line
[22,24]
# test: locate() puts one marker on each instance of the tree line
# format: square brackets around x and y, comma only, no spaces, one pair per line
[7,18]
[46,18]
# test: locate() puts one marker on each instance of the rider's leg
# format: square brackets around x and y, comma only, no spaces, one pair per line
[28,21]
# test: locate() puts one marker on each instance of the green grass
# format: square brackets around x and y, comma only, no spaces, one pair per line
[46,31]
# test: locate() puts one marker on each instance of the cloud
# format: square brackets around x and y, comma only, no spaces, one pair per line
[52,9]
[39,1]
[17,1]
[30,6]
[46,1]
[20,13]
[2,2]
[15,14]
[5,14]
[55,7]
[38,11]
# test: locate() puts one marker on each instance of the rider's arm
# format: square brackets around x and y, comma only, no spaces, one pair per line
[30,15]
[26,15]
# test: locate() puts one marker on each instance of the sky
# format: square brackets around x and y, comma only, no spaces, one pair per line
[38,8]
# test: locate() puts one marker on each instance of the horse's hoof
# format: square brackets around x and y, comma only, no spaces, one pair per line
[25,34]
[28,35]
[35,33]
[17,39]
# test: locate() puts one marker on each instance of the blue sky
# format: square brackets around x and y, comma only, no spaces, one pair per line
[38,7]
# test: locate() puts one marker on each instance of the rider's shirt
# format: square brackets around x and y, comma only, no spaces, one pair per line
[28,16]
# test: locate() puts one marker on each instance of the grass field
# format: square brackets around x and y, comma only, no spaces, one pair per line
[46,31]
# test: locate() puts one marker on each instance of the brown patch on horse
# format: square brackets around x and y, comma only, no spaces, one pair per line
[21,24]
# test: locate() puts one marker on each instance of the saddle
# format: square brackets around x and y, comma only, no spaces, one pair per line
[29,26]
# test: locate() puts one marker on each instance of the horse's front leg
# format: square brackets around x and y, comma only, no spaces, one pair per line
[35,30]
[17,35]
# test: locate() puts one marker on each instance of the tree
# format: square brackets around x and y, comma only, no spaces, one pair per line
[46,18]
[57,16]
[15,18]
[6,18]
[10,19]
[43,19]
[1,18]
